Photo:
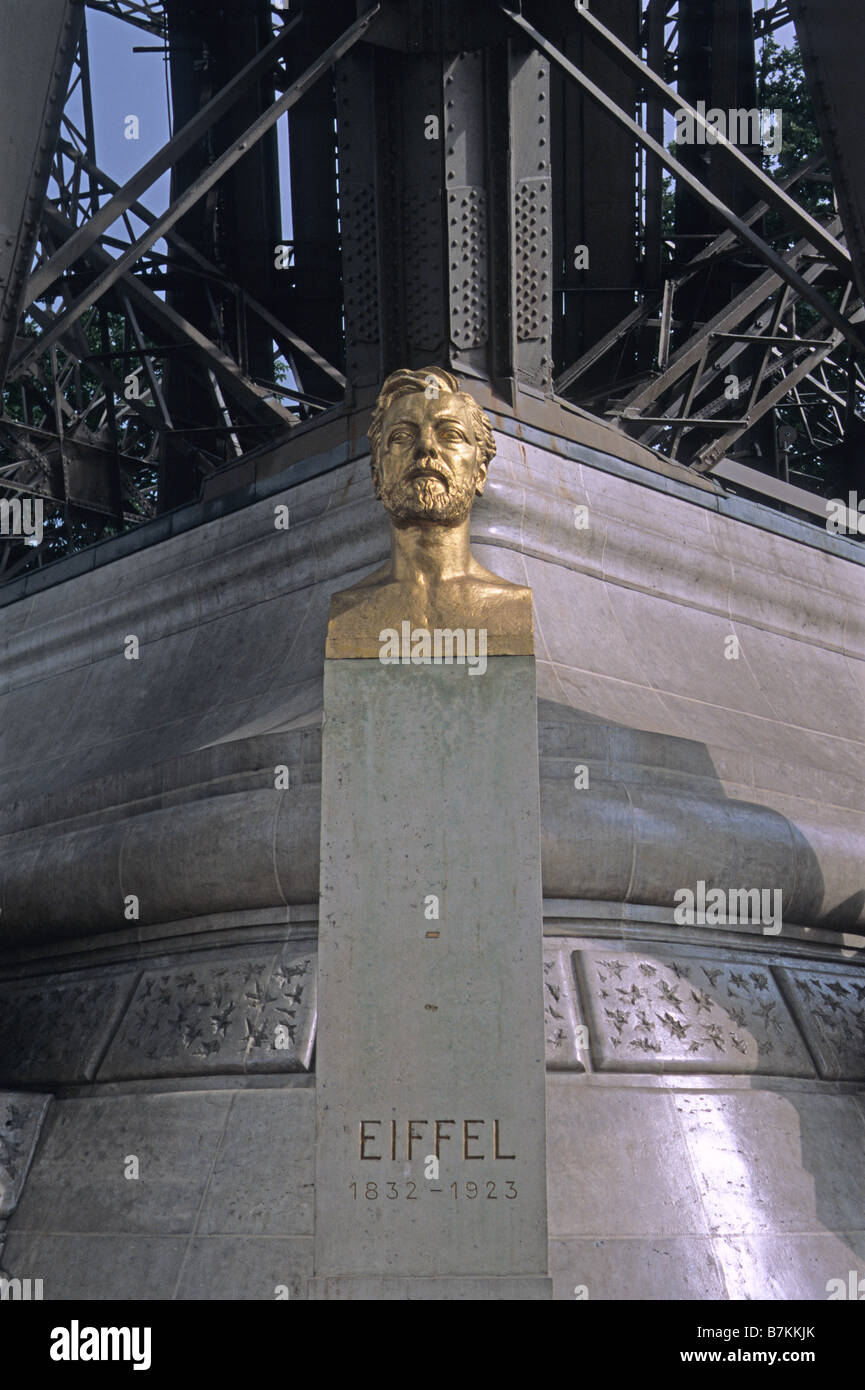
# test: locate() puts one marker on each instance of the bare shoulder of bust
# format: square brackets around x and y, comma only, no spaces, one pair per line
[345,599]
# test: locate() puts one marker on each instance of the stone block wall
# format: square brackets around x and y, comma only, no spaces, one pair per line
[706,1130]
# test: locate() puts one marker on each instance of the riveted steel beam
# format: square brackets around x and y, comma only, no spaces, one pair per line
[168,155]
[749,172]
[199,187]
[742,230]
[38,40]
[255,399]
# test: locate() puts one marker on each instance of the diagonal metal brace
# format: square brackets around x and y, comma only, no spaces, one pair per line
[744,232]
[200,186]
[749,171]
[164,158]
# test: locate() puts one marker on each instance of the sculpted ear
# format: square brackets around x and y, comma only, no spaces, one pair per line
[480,484]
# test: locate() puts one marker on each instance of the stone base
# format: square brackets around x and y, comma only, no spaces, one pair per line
[373,1288]
[430,1044]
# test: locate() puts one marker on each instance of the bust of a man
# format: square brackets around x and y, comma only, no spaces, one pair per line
[430,449]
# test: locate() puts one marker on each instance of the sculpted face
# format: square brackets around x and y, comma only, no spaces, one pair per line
[428,465]
[430,446]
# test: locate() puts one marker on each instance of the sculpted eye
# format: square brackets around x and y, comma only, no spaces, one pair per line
[398,436]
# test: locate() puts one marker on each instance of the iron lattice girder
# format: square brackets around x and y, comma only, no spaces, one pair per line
[751,301]
[642,312]
[742,230]
[108,379]
[773,193]
[168,155]
[141,13]
[35,66]
[778,355]
[775,17]
[446,212]
[289,340]
[698,351]
[712,454]
[254,400]
[447,245]
[81,446]
[81,462]
[114,269]
[776,358]
[713,414]
[831,47]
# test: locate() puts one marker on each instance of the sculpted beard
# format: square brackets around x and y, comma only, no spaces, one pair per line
[427,498]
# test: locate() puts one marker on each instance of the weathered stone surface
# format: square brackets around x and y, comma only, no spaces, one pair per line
[215,854]
[566,1034]
[79,1184]
[263,1179]
[767,1162]
[654,1013]
[662,1268]
[616,1165]
[221,1207]
[431,973]
[829,1007]
[243,1269]
[232,1012]
[54,1029]
[790,1267]
[744,748]
[21,1116]
[741,1194]
[101,1267]
[370,1288]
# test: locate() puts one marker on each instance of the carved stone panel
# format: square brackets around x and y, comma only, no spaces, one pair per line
[829,1006]
[653,1013]
[54,1030]
[566,1034]
[238,1012]
[21,1116]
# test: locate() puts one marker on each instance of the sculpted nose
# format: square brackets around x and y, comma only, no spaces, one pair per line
[426,444]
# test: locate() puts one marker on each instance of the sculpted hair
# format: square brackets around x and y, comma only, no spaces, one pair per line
[405,383]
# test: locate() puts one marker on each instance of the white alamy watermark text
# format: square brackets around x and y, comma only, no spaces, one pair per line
[716,907]
[22,518]
[439,646]
[77,1343]
[738,126]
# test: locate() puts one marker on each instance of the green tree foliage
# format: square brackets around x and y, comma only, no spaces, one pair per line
[70,528]
[783,87]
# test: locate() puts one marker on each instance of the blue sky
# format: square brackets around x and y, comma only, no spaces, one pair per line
[126,83]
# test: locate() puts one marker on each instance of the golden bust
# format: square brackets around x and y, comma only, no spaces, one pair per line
[430,449]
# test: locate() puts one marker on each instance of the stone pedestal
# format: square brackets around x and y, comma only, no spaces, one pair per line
[431,1148]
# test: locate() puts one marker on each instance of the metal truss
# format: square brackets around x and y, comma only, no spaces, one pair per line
[772,352]
[144,14]
[771,17]
[84,413]
[752,352]
[138,354]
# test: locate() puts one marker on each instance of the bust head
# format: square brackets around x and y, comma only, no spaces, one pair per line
[430,447]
